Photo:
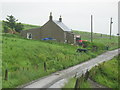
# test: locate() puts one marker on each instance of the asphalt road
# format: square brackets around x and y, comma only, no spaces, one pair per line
[56,80]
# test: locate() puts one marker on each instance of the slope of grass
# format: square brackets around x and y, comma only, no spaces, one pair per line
[29,26]
[24,59]
[106,73]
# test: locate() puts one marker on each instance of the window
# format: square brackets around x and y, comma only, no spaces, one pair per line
[29,36]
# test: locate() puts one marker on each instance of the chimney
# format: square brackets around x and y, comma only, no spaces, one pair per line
[60,19]
[50,17]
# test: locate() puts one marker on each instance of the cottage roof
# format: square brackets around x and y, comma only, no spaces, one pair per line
[62,25]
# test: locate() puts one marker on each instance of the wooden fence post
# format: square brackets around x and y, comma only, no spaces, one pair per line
[86,75]
[45,68]
[78,82]
[6,74]
[27,68]
[23,68]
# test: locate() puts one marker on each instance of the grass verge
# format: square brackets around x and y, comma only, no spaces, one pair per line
[106,73]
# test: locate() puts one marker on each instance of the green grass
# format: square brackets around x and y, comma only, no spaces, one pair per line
[106,73]
[24,58]
[72,81]
[28,26]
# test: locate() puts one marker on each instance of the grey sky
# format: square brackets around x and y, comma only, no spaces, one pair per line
[76,15]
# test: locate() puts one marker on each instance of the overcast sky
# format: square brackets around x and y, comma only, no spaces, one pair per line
[75,13]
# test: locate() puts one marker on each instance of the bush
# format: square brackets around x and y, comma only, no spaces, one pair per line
[86,43]
[92,45]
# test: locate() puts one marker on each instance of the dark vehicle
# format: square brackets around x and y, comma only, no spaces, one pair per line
[81,50]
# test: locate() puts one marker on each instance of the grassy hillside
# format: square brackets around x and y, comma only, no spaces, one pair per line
[106,73]
[28,26]
[24,59]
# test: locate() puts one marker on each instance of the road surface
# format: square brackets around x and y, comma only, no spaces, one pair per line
[57,80]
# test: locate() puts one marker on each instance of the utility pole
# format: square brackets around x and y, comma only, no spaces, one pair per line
[110,27]
[91,28]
